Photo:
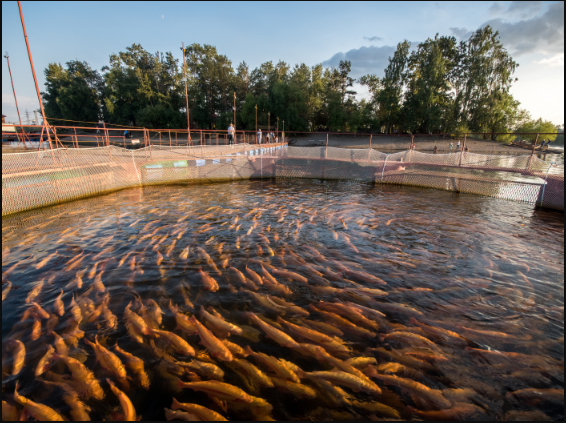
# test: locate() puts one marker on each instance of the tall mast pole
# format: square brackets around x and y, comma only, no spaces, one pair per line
[186,94]
[34,77]
[16,100]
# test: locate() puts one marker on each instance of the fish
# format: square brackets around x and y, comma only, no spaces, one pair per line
[361,362]
[302,332]
[44,363]
[204,256]
[351,313]
[412,339]
[135,325]
[177,343]
[211,343]
[259,378]
[58,305]
[460,411]
[297,389]
[129,412]
[135,365]
[76,262]
[208,281]
[37,411]
[203,413]
[275,365]
[170,248]
[433,396]
[290,275]
[278,336]
[92,271]
[39,311]
[180,415]
[255,277]
[492,334]
[18,350]
[289,307]
[183,322]
[85,383]
[536,397]
[35,329]
[108,360]
[10,413]
[209,370]
[184,254]
[97,284]
[220,390]
[46,260]
[6,290]
[323,327]
[440,333]
[217,320]
[35,291]
[342,323]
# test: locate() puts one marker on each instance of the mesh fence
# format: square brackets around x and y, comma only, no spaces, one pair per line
[47,177]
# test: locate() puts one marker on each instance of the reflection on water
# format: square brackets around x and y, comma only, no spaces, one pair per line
[427,304]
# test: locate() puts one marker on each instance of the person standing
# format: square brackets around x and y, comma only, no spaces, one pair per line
[259,136]
[231,132]
[458,145]
[451,147]
[435,149]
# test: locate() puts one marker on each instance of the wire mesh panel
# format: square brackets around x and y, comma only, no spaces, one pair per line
[47,177]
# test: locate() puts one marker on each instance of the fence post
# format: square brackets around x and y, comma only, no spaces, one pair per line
[369,152]
[326,149]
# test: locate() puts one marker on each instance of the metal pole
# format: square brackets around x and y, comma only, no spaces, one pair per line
[283,134]
[326,149]
[34,76]
[268,125]
[186,93]
[256,124]
[234,115]
[369,152]
[277,130]
[16,100]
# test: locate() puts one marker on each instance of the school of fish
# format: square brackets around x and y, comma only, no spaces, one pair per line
[280,300]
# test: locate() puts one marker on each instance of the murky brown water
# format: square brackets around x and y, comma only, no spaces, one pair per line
[461,317]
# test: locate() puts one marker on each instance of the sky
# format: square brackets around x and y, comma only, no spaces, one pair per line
[366,33]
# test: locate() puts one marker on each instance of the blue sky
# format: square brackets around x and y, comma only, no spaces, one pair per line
[364,33]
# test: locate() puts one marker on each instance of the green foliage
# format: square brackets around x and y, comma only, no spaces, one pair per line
[441,86]
[73,92]
[143,89]
[537,126]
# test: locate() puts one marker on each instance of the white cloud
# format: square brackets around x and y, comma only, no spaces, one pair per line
[543,32]
[374,38]
[162,16]
[364,60]
[556,60]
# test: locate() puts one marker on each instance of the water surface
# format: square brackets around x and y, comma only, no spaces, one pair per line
[487,270]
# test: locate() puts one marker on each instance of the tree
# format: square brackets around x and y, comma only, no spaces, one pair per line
[73,93]
[536,127]
[212,85]
[144,89]
[390,97]
[488,71]
[429,100]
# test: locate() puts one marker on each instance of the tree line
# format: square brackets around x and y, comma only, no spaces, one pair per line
[441,86]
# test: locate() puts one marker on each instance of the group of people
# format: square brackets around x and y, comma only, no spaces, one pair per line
[271,137]
[545,143]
